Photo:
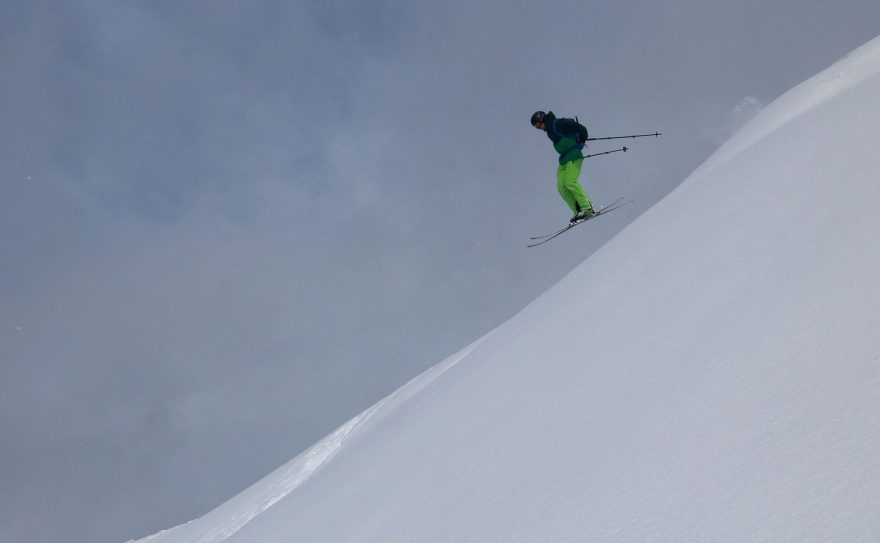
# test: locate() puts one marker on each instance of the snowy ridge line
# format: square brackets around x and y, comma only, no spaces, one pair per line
[848,72]
[291,476]
[223,522]
[427,377]
[230,517]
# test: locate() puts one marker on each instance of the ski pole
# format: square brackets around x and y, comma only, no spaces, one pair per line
[608,152]
[655,134]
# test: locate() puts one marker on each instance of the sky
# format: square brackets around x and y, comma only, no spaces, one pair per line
[227,227]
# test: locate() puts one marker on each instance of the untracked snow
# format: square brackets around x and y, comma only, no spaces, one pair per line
[710,374]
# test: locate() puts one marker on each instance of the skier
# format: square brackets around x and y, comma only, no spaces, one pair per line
[568,137]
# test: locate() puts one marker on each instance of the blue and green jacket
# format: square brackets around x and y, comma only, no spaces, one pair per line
[567,136]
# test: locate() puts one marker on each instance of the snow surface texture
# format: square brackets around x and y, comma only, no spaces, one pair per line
[710,374]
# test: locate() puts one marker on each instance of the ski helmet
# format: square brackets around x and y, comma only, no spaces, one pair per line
[538,117]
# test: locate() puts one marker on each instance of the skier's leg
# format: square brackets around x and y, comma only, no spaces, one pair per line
[570,179]
[563,189]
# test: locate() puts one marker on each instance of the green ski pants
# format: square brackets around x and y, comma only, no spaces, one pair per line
[569,188]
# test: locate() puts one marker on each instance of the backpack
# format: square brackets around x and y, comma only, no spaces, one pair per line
[578,132]
[583,134]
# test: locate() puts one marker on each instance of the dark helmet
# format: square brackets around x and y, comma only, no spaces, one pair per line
[538,117]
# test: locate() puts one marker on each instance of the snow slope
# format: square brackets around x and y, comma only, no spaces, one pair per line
[711,374]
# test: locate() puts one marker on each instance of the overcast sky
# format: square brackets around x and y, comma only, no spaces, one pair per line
[226,227]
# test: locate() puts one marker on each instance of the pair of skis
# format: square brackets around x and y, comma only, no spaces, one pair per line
[617,204]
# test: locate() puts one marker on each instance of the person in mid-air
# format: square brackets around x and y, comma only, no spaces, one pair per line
[568,137]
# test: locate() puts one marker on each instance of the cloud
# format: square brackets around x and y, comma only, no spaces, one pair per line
[747,108]
[738,117]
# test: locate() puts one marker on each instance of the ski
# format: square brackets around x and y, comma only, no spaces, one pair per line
[603,208]
[607,209]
